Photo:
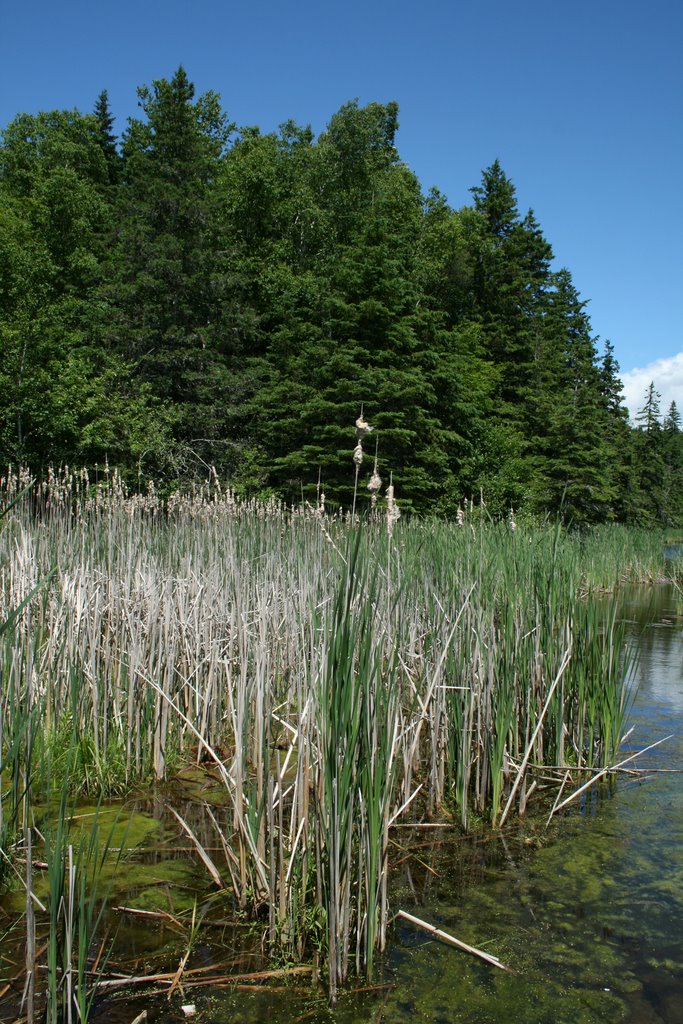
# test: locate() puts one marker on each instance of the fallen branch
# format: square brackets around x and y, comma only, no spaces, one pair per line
[157,914]
[423,824]
[606,771]
[439,934]
[222,979]
[183,963]
[206,860]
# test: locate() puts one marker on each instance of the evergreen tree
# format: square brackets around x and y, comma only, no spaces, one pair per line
[496,200]
[166,298]
[511,287]
[513,276]
[106,136]
[648,418]
[617,459]
[672,483]
[649,466]
[576,482]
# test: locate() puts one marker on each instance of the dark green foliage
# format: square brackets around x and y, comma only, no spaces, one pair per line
[106,137]
[672,486]
[162,286]
[193,295]
[657,464]
[62,396]
[571,414]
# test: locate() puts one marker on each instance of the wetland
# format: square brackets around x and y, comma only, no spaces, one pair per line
[247,751]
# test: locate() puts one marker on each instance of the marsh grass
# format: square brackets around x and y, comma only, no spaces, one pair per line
[340,679]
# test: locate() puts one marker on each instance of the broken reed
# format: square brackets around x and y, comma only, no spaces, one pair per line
[341,678]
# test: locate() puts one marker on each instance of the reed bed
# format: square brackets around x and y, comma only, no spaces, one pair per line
[340,676]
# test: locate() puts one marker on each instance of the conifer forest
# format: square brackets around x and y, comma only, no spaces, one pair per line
[198,294]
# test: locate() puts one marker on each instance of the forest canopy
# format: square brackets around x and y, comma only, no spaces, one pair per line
[196,294]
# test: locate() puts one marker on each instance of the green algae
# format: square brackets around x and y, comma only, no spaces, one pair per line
[118,830]
[170,886]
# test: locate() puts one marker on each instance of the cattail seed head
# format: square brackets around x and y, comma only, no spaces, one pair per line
[363,428]
[393,511]
[375,481]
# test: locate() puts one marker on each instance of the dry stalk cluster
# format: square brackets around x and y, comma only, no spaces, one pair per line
[338,688]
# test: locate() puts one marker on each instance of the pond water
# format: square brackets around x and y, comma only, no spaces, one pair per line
[591,917]
[587,913]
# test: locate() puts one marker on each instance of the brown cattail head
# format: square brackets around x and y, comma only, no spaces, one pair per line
[375,481]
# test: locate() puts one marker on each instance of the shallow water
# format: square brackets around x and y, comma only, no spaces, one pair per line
[592,919]
[587,913]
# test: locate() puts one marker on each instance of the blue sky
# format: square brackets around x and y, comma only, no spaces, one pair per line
[582,103]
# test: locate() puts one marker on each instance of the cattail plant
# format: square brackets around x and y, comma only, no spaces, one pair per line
[363,428]
[375,482]
[339,680]
[393,511]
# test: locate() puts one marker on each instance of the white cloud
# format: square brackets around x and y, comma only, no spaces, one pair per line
[667,375]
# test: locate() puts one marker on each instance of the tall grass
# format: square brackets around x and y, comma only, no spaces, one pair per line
[342,678]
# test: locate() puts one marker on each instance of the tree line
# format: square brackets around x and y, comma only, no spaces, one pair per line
[195,294]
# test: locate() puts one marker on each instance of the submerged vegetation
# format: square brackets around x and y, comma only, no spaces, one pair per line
[336,677]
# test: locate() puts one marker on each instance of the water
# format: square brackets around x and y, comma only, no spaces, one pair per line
[587,913]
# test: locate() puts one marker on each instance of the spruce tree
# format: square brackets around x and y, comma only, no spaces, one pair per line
[106,136]
[649,463]
[166,297]
[510,293]
[617,458]
[672,485]
[572,479]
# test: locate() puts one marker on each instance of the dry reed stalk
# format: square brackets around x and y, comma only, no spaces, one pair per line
[151,915]
[111,984]
[452,941]
[606,771]
[539,724]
